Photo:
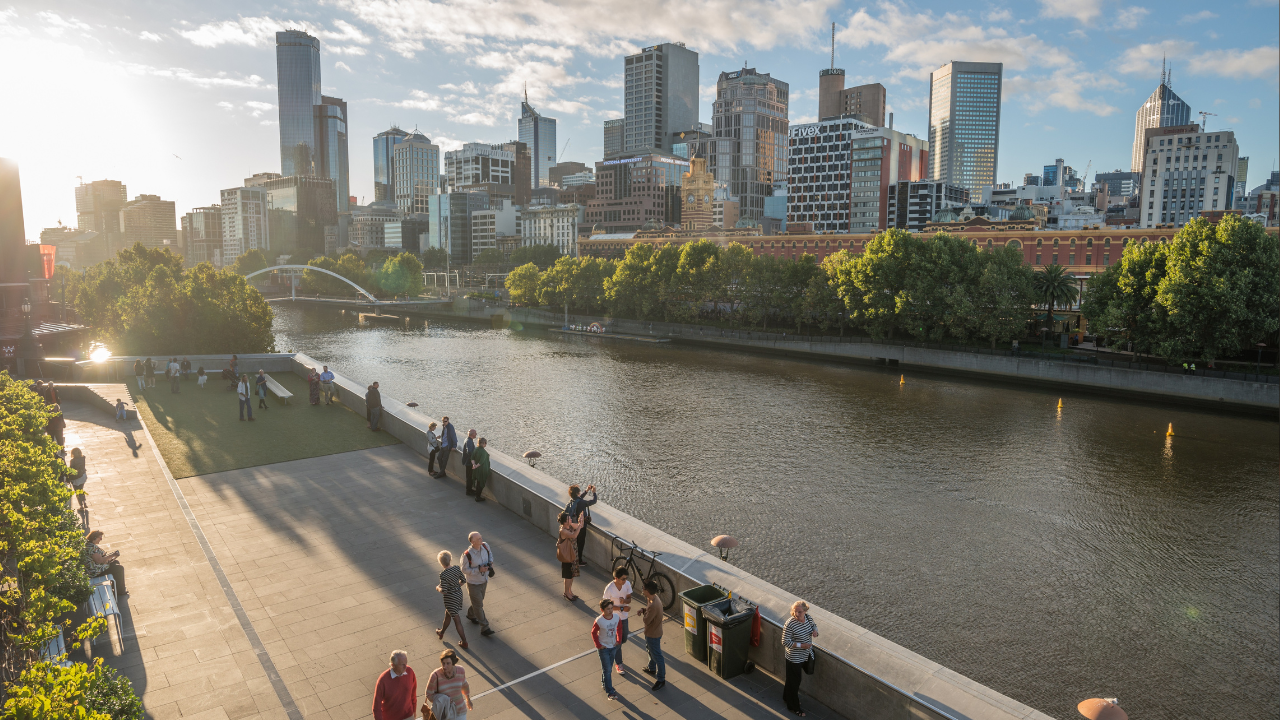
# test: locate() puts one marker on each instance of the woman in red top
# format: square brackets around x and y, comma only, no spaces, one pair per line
[395,697]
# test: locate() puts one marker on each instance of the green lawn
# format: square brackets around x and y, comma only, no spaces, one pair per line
[199,431]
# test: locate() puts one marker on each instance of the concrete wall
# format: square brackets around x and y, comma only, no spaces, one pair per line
[120,368]
[858,673]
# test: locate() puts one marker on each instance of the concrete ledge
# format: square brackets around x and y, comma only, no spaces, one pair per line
[858,672]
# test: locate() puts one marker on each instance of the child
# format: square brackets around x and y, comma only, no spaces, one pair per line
[619,591]
[122,410]
[201,377]
[605,634]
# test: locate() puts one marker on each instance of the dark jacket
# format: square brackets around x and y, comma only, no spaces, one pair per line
[468,447]
[448,438]
[373,399]
[580,505]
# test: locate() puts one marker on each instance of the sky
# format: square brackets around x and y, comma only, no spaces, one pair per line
[178,98]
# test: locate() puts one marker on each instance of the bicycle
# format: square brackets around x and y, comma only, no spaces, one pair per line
[627,558]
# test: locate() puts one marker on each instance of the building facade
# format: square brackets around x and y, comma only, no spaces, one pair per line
[98,205]
[202,235]
[331,148]
[613,134]
[912,205]
[501,220]
[539,134]
[478,166]
[553,225]
[558,172]
[450,227]
[661,94]
[299,208]
[964,123]
[415,165]
[384,163]
[407,233]
[369,224]
[634,190]
[1162,109]
[298,91]
[697,191]
[244,222]
[149,220]
[1186,172]
[1120,184]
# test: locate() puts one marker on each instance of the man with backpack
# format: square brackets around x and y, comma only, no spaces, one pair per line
[477,567]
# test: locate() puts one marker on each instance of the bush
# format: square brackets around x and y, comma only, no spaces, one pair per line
[83,692]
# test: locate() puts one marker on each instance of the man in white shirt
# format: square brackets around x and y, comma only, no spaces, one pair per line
[619,591]
[476,561]
[175,375]
[245,392]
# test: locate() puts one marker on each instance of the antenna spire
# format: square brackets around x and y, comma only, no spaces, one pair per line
[833,46]
[1164,61]
[526,92]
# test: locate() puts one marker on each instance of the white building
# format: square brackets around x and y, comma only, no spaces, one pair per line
[368,221]
[502,219]
[416,172]
[244,222]
[1185,172]
[478,163]
[585,177]
[553,225]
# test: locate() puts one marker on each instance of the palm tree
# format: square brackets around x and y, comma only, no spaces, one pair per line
[1054,288]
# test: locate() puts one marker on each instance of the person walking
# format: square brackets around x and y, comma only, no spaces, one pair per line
[326,384]
[448,442]
[122,410]
[477,566]
[260,383]
[140,371]
[797,640]
[373,403]
[184,368]
[450,588]
[433,449]
[175,376]
[245,392]
[77,474]
[480,467]
[578,510]
[99,563]
[619,591]
[56,425]
[567,554]
[469,447]
[235,365]
[449,680]
[201,378]
[606,633]
[395,696]
[151,372]
[652,617]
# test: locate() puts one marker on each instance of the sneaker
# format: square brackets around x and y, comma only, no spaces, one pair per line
[649,671]
[473,620]
[659,685]
[613,696]
[486,632]
[619,669]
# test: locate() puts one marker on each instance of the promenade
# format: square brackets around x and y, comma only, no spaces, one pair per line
[280,590]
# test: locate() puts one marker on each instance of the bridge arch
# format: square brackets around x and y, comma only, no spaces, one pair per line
[359,289]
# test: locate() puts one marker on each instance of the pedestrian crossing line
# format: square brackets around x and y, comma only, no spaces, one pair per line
[536,673]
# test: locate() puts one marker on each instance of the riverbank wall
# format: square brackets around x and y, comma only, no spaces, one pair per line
[858,673]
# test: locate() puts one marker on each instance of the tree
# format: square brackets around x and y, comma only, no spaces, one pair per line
[699,275]
[1054,288]
[402,275]
[250,262]
[522,284]
[489,256]
[437,258]
[544,256]
[822,297]
[1004,296]
[936,299]
[736,262]
[1133,305]
[629,291]
[873,285]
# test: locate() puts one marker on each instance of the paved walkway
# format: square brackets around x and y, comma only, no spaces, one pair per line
[333,562]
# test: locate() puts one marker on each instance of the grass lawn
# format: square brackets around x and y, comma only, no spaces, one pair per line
[199,431]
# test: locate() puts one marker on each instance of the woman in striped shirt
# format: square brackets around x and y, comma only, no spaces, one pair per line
[797,640]
[451,681]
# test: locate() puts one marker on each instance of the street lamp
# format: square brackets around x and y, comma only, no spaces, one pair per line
[1260,346]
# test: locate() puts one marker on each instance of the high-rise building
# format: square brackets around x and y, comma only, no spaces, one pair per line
[865,102]
[913,204]
[539,133]
[149,220]
[521,174]
[415,167]
[636,189]
[1163,109]
[552,225]
[202,235]
[557,174]
[1120,183]
[748,152]
[299,209]
[384,162]
[1029,179]
[244,222]
[661,88]
[830,85]
[1242,176]
[613,134]
[451,223]
[369,224]
[1186,172]
[840,171]
[481,167]
[406,234]
[331,148]
[298,86]
[98,205]
[964,123]
[13,230]
[501,220]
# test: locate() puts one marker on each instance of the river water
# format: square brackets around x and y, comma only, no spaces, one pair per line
[1053,556]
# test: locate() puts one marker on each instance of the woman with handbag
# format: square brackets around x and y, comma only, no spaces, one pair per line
[797,642]
[567,553]
[451,681]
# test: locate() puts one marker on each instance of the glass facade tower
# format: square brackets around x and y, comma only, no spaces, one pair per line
[331,146]
[298,82]
[1163,109]
[384,173]
[964,123]
[539,133]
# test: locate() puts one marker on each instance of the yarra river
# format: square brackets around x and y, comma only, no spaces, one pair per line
[1051,556]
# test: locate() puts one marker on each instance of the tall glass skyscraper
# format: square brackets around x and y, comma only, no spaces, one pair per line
[331,147]
[661,85]
[417,172]
[964,123]
[384,162]
[298,82]
[1163,109]
[539,133]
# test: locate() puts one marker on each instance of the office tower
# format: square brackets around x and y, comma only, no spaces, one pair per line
[331,147]
[1242,176]
[748,152]
[500,221]
[964,123]
[202,235]
[840,171]
[299,209]
[415,167]
[450,227]
[1120,183]
[1029,179]
[384,163]
[1059,173]
[521,173]
[98,205]
[661,88]
[830,85]
[149,220]
[298,84]
[244,222]
[613,134]
[557,174]
[1186,172]
[1163,109]
[13,229]
[634,190]
[913,204]
[481,167]
[261,179]
[552,225]
[866,102]
[539,133]
[369,224]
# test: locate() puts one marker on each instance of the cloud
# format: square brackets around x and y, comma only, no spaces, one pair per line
[1197,17]
[226,105]
[346,50]
[257,108]
[419,100]
[149,36]
[1064,89]
[1145,59]
[1000,15]
[467,87]
[1130,18]
[342,66]
[447,144]
[475,118]
[1084,11]
[1255,103]
[56,25]
[183,75]
[261,32]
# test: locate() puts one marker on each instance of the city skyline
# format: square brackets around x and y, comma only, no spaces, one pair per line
[165,87]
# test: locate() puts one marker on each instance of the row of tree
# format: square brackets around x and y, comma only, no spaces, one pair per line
[382,274]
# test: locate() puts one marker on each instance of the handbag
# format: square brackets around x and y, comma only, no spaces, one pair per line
[811,662]
[566,552]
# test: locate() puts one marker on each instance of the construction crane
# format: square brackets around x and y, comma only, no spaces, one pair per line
[560,157]
[1084,177]
[1204,120]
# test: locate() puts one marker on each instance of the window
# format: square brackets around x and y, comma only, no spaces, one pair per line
[1037,258]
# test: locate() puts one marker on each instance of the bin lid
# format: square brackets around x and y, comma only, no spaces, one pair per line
[729,612]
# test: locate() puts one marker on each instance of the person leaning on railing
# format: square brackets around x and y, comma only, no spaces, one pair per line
[797,640]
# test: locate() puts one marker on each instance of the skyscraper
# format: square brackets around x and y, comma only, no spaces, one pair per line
[98,206]
[298,83]
[613,136]
[865,101]
[331,147]
[13,231]
[244,222]
[539,133]
[1163,109]
[149,220]
[202,235]
[748,150]
[661,84]
[416,167]
[964,123]
[384,174]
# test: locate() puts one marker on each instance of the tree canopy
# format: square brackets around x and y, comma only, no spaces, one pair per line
[544,256]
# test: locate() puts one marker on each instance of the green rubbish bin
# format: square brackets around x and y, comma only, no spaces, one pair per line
[729,636]
[695,625]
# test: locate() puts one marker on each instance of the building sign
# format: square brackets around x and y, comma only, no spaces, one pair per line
[801,131]
[619,162]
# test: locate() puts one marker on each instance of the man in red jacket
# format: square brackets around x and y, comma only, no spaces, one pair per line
[395,697]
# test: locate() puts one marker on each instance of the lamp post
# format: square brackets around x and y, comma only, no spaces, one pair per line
[26,345]
[1260,346]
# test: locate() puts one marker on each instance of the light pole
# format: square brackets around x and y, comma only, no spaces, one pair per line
[1260,346]
[26,346]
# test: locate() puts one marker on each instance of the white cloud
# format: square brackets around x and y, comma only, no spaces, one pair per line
[1084,11]
[257,108]
[419,100]
[1129,18]
[346,50]
[226,105]
[1255,103]
[447,144]
[149,36]
[467,87]
[1197,17]
[56,25]
[1145,59]
[475,118]
[184,75]
[342,66]
[1000,15]
[1064,89]
[261,32]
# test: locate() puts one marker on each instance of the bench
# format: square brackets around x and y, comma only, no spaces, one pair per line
[278,390]
[103,599]
[55,650]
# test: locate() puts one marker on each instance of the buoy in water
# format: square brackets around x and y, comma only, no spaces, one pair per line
[1169,433]
[1059,403]
[902,380]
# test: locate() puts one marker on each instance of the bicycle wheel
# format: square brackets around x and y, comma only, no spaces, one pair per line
[622,561]
[666,590]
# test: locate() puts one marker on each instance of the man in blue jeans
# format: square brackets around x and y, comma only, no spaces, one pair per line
[652,616]
[448,443]
[604,633]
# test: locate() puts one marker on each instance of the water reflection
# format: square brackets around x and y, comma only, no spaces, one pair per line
[1053,554]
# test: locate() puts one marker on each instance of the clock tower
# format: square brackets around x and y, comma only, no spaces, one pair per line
[697,189]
